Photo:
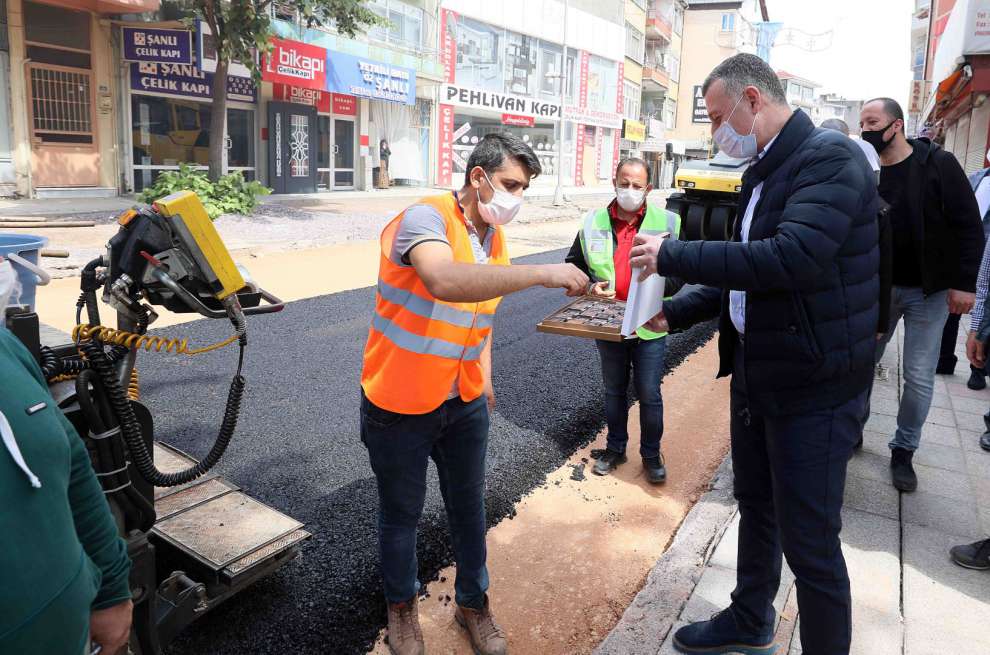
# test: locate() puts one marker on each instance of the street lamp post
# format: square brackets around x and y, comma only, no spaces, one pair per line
[558,196]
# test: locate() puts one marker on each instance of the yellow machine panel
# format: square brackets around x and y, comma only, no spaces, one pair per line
[192,224]
[708,180]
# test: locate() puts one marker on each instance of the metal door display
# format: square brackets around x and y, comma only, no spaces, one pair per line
[292,141]
[343,153]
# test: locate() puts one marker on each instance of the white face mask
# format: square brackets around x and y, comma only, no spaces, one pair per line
[502,208]
[630,199]
[732,143]
[10,288]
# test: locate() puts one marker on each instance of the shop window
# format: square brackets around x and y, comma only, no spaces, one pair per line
[520,64]
[551,75]
[603,84]
[541,138]
[240,138]
[54,26]
[479,55]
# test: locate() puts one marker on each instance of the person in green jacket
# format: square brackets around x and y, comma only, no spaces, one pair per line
[63,568]
[601,250]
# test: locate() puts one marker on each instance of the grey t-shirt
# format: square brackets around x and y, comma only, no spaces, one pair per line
[423,223]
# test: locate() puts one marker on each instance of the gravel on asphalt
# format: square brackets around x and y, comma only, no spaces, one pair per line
[297,448]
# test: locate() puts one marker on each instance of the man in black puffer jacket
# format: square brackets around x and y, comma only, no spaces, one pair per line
[797,294]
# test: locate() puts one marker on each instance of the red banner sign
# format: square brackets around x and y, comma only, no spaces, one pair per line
[445,145]
[620,106]
[616,137]
[448,44]
[579,155]
[344,104]
[296,63]
[585,63]
[518,121]
[299,95]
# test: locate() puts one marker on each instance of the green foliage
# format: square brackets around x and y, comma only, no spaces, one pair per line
[231,194]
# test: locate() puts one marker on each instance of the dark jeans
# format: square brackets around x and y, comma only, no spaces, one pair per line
[455,435]
[790,474]
[947,351]
[645,359]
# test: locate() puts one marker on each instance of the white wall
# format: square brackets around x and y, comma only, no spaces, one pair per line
[544,19]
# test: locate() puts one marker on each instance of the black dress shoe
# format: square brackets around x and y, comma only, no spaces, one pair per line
[901,472]
[972,556]
[977,380]
[608,462]
[985,441]
[656,472]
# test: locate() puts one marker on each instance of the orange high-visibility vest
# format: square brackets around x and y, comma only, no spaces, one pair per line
[418,345]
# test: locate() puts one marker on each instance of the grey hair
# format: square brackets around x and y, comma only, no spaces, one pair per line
[836,124]
[742,70]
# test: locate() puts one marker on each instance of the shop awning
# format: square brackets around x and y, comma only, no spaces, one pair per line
[108,6]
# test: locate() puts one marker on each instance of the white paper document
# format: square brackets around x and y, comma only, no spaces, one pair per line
[644,302]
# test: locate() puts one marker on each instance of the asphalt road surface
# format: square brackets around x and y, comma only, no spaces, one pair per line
[297,449]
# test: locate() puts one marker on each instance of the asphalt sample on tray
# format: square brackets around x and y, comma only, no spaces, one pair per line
[297,448]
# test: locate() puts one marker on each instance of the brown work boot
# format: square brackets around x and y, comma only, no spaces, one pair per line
[487,638]
[405,637]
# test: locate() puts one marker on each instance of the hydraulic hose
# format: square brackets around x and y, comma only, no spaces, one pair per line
[131,428]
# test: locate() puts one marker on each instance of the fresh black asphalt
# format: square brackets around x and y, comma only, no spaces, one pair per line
[297,449]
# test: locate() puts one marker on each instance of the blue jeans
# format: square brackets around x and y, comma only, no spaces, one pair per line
[645,358]
[790,474]
[455,436]
[924,319]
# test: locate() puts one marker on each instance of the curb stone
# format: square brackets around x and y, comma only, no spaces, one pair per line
[654,611]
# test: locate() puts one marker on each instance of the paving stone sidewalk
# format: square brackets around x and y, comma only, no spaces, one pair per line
[908,597]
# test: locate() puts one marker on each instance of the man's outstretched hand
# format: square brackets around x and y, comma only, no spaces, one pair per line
[645,252]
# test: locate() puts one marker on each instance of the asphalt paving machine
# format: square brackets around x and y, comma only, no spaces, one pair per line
[707,197]
[195,539]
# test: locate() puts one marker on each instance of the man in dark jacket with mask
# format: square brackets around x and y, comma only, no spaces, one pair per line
[796,291]
[938,242]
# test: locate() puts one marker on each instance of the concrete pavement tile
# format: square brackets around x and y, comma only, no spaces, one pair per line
[943,482]
[941,416]
[948,515]
[933,454]
[984,524]
[885,391]
[960,390]
[941,400]
[711,595]
[971,422]
[871,496]
[940,434]
[946,607]
[882,424]
[876,443]
[981,492]
[886,406]
[727,549]
[876,633]
[871,546]
[870,466]
[971,405]
[978,463]
[929,638]
[970,441]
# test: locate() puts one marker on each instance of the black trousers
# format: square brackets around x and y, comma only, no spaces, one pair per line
[947,351]
[790,475]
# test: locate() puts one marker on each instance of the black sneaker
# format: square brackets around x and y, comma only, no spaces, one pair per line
[901,472]
[721,635]
[985,440]
[986,421]
[977,380]
[608,462]
[972,556]
[656,472]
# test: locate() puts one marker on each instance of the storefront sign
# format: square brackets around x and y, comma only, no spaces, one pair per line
[187,80]
[445,143]
[206,53]
[579,155]
[448,44]
[583,86]
[518,121]
[500,102]
[344,104]
[633,130]
[700,113]
[299,95]
[367,78]
[620,100]
[919,94]
[616,139]
[296,63]
[158,45]
[595,117]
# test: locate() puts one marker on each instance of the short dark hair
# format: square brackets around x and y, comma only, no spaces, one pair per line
[836,124]
[634,161]
[742,70]
[492,151]
[890,107]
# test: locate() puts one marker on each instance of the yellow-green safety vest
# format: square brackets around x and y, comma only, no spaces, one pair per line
[599,249]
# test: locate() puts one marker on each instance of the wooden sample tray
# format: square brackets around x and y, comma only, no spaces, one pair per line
[588,317]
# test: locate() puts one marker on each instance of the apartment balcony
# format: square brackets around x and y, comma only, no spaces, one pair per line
[655,78]
[658,25]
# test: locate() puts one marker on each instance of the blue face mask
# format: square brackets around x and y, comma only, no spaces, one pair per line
[732,143]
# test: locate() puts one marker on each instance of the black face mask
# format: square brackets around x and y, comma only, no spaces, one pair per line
[875,138]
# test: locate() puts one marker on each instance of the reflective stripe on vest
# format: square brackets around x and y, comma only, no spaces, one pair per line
[599,250]
[419,345]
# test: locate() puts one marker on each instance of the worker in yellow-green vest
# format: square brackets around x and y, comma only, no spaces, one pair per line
[601,250]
